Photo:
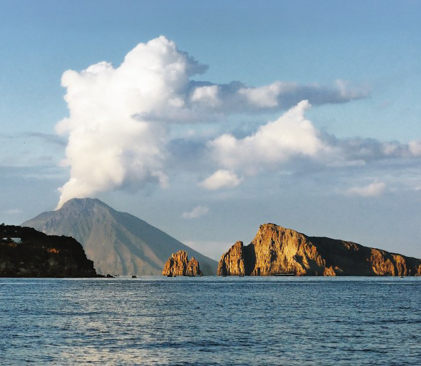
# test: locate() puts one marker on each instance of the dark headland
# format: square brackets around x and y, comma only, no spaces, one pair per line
[25,252]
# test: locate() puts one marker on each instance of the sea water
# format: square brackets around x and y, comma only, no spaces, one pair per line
[211,321]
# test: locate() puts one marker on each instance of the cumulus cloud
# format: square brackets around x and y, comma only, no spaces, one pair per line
[291,134]
[281,95]
[120,118]
[415,148]
[221,179]
[374,189]
[207,95]
[236,97]
[196,212]
[366,150]
[274,143]
[293,142]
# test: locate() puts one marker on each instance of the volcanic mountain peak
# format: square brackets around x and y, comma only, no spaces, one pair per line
[118,243]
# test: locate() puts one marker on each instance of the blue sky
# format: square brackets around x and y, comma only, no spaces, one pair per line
[345,182]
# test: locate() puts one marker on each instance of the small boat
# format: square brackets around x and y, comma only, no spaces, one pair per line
[284,274]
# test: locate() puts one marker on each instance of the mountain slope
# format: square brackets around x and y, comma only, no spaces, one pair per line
[117,242]
[276,250]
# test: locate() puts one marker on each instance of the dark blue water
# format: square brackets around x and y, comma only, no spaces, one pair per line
[211,321]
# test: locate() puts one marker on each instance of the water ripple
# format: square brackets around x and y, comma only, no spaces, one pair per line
[211,321]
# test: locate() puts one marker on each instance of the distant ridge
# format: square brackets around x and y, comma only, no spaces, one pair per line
[117,242]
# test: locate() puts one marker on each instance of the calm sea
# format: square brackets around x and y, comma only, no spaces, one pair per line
[211,321]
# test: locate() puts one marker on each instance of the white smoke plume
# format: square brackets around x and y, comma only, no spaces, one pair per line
[110,143]
[120,117]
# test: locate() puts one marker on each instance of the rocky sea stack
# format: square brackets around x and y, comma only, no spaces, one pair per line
[180,265]
[25,252]
[279,251]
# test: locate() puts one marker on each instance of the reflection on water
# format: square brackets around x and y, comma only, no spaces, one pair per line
[211,321]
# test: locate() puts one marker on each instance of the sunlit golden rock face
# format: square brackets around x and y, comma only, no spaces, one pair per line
[232,262]
[180,265]
[279,251]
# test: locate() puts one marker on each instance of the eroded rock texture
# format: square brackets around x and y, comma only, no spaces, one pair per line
[276,250]
[180,265]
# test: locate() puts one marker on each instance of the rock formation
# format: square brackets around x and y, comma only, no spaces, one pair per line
[25,252]
[232,262]
[279,251]
[180,265]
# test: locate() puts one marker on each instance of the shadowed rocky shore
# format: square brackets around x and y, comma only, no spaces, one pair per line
[25,252]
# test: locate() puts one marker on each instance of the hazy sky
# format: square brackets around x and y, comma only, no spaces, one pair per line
[207,119]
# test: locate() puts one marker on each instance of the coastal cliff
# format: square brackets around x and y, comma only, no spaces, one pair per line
[180,265]
[25,252]
[279,251]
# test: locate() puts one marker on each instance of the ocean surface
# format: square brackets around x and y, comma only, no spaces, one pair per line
[211,321]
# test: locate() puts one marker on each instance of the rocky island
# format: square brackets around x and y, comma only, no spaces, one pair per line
[25,252]
[180,265]
[279,251]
